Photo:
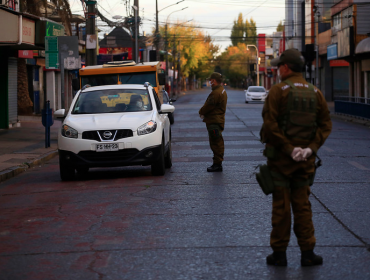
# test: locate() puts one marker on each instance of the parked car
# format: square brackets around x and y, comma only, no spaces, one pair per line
[167,100]
[115,125]
[255,93]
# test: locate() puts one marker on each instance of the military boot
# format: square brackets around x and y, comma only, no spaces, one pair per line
[309,258]
[277,258]
[215,168]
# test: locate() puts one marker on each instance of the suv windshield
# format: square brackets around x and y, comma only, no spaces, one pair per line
[112,101]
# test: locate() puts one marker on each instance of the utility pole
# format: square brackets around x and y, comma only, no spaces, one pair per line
[166,52]
[178,71]
[156,31]
[91,58]
[136,49]
[317,49]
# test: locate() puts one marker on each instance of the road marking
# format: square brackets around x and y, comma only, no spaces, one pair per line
[327,149]
[359,166]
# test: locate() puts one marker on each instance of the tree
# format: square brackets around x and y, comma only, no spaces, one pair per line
[40,8]
[196,49]
[234,63]
[280,27]
[243,32]
[250,32]
[238,31]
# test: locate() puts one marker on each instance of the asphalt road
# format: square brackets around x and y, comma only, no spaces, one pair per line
[122,223]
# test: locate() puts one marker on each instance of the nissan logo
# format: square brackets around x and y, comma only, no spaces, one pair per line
[107,134]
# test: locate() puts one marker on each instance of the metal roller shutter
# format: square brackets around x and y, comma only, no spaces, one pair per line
[340,81]
[13,90]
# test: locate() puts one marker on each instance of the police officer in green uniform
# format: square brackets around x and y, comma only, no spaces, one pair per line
[296,123]
[213,114]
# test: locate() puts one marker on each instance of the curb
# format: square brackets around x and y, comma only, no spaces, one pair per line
[352,119]
[14,171]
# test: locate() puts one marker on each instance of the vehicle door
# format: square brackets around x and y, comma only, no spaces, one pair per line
[163,118]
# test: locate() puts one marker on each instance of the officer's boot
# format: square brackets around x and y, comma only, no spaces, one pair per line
[277,258]
[309,258]
[215,168]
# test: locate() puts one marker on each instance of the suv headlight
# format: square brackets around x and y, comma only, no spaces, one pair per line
[147,128]
[69,132]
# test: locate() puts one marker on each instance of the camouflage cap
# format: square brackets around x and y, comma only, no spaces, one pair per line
[292,57]
[216,76]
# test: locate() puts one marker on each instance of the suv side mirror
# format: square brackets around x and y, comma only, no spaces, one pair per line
[161,79]
[75,84]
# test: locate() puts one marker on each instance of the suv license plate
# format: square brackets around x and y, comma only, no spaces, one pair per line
[106,147]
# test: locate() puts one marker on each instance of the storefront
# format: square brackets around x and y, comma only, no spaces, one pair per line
[17,37]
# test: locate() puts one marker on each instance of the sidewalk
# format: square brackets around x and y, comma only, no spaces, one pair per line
[23,147]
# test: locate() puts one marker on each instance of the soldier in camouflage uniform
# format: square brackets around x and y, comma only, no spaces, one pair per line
[296,124]
[213,114]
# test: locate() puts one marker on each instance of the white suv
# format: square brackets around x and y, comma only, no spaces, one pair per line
[115,125]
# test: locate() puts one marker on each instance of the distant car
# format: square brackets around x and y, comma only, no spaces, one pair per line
[255,93]
[115,125]
[169,101]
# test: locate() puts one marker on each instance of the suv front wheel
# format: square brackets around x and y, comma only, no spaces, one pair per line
[67,173]
[158,168]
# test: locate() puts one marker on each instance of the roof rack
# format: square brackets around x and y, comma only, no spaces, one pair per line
[119,63]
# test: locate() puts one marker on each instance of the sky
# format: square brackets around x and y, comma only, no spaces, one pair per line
[214,17]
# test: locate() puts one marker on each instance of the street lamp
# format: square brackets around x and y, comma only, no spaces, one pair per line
[166,42]
[257,61]
[156,23]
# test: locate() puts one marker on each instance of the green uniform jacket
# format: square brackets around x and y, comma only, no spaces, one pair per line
[276,104]
[214,108]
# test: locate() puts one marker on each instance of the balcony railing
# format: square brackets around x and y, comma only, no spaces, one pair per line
[354,106]
[362,100]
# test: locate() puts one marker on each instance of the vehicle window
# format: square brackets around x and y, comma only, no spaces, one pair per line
[157,101]
[112,101]
[138,78]
[165,97]
[256,90]
[99,80]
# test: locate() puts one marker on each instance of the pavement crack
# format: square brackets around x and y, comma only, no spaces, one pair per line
[359,238]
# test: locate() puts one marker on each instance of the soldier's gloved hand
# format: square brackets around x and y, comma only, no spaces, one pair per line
[297,154]
[201,116]
[306,153]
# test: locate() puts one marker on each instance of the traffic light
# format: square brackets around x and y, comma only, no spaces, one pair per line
[252,67]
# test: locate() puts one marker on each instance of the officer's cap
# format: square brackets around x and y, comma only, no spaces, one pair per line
[216,76]
[292,57]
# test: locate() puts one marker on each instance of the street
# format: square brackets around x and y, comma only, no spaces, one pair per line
[123,223]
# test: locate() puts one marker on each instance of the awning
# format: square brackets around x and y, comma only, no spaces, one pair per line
[363,46]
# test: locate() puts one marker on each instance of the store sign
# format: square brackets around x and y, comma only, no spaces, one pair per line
[345,42]
[54,29]
[9,27]
[332,52]
[25,54]
[338,63]
[51,53]
[28,31]
[46,29]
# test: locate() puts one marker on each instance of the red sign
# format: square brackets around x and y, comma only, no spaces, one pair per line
[338,63]
[25,54]
[261,42]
